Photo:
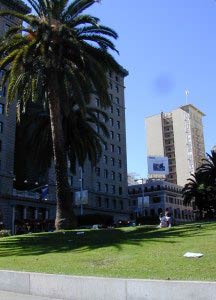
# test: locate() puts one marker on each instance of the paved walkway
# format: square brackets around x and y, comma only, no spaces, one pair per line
[15,296]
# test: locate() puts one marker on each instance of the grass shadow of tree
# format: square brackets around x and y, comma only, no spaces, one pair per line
[61,242]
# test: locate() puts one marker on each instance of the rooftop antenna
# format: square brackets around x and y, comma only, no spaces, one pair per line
[186,95]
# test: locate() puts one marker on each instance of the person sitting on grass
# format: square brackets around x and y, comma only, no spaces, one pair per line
[163,221]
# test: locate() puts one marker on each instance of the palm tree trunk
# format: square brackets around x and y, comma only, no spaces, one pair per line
[65,218]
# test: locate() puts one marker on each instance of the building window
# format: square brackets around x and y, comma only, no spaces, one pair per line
[117,100]
[111,109]
[97,102]
[111,134]
[112,148]
[1,127]
[117,88]
[112,161]
[110,85]
[119,137]
[105,146]
[114,203]
[117,79]
[110,74]
[121,205]
[111,121]
[111,97]
[106,188]
[118,112]
[1,109]
[105,159]
[97,171]
[120,190]
[113,175]
[119,150]
[107,202]
[7,27]
[113,189]
[118,124]
[120,177]
[105,173]
[119,163]
[98,201]
[71,180]
[98,185]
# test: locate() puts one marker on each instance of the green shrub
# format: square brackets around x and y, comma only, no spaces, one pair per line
[91,219]
[4,233]
[148,220]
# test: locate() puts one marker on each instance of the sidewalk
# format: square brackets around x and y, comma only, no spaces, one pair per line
[15,296]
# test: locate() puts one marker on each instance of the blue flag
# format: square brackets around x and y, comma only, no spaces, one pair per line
[44,192]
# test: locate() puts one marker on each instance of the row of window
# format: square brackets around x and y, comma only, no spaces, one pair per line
[2,91]
[117,110]
[113,99]
[107,203]
[2,109]
[111,75]
[111,111]
[113,161]
[112,149]
[115,86]
[112,124]
[1,127]
[108,189]
[112,136]
[154,188]
[111,120]
[116,100]
[106,174]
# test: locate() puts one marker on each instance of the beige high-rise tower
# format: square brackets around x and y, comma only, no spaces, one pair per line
[177,135]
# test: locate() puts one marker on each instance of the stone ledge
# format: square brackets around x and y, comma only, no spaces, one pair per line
[99,288]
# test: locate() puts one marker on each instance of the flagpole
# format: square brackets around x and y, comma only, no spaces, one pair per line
[186,95]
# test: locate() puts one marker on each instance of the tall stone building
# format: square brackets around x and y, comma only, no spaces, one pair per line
[17,208]
[107,183]
[7,122]
[177,135]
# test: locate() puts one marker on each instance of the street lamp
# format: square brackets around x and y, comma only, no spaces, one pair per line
[142,180]
[81,191]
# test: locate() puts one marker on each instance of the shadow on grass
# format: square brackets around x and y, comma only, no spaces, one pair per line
[60,242]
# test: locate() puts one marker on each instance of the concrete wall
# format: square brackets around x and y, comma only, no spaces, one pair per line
[154,136]
[181,146]
[89,288]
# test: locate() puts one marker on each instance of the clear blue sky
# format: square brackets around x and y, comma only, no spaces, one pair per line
[166,46]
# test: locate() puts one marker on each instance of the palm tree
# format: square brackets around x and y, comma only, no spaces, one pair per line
[61,56]
[208,167]
[34,139]
[196,189]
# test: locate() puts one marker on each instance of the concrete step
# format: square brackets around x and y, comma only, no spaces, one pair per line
[14,296]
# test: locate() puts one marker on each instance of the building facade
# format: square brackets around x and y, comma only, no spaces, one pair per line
[161,196]
[177,135]
[16,206]
[107,182]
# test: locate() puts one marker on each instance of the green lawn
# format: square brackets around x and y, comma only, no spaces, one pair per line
[134,252]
